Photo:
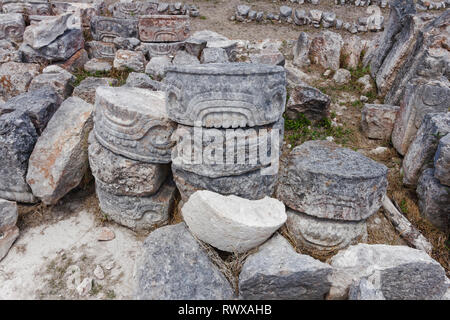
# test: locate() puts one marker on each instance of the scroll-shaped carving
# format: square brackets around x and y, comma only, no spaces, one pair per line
[156,49]
[164,28]
[101,50]
[107,29]
[134,9]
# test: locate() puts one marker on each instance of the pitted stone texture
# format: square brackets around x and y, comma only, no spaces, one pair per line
[132,60]
[277,272]
[248,94]
[101,50]
[399,272]
[422,150]
[17,139]
[324,235]
[351,52]
[342,76]
[214,55]
[419,99]
[327,181]
[143,81]
[301,50]
[377,120]
[62,81]
[157,49]
[130,10]
[133,122]
[123,176]
[174,266]
[15,78]
[96,64]
[442,161]
[107,28]
[46,31]
[231,223]
[137,213]
[12,27]
[157,67]
[434,200]
[8,52]
[252,185]
[364,290]
[8,214]
[60,159]
[163,28]
[308,101]
[231,157]
[86,89]
[325,50]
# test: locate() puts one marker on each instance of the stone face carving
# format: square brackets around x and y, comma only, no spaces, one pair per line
[133,9]
[163,28]
[133,122]
[12,27]
[232,162]
[101,50]
[107,28]
[37,7]
[419,99]
[327,181]
[138,213]
[214,95]
[160,49]
[324,234]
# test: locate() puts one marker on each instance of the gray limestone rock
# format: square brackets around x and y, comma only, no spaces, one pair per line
[123,176]
[277,272]
[325,50]
[270,57]
[126,43]
[137,213]
[301,50]
[308,101]
[434,200]
[101,50]
[62,81]
[242,10]
[96,64]
[204,94]
[174,266]
[133,122]
[8,215]
[422,150]
[107,28]
[59,159]
[301,18]
[129,60]
[195,46]
[377,120]
[398,272]
[46,31]
[155,49]
[8,52]
[130,10]
[214,55]
[285,12]
[328,19]
[141,80]
[12,27]
[327,181]
[442,161]
[157,66]
[16,77]
[86,89]
[184,58]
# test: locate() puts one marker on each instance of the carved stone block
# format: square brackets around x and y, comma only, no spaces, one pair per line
[160,49]
[163,28]
[212,95]
[123,9]
[133,122]
[101,50]
[36,7]
[107,29]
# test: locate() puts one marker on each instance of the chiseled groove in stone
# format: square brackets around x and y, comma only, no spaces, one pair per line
[163,28]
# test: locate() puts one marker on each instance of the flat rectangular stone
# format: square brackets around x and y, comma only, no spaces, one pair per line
[106,28]
[12,27]
[163,28]
[127,9]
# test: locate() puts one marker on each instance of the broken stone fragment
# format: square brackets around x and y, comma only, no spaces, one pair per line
[15,78]
[156,49]
[164,28]
[377,120]
[96,64]
[156,67]
[325,50]
[86,89]
[231,223]
[129,60]
[46,31]
[101,50]
[442,161]
[62,81]
[60,159]
[12,27]
[8,52]
[143,81]
[214,55]
[277,272]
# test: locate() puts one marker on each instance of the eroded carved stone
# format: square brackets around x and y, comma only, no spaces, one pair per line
[133,122]
[101,50]
[107,28]
[164,28]
[133,9]
[157,49]
[212,95]
[34,7]
[12,27]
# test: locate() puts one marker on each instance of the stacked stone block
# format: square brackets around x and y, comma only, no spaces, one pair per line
[129,155]
[215,105]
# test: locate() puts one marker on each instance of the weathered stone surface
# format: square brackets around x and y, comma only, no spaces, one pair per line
[7,240]
[15,78]
[277,272]
[61,80]
[195,46]
[365,83]
[248,94]
[301,18]
[133,60]
[214,55]
[325,50]
[236,151]
[419,99]
[434,200]
[137,213]
[140,80]
[175,266]
[85,11]
[342,76]
[398,272]
[364,290]
[442,161]
[8,52]
[315,16]
[327,181]
[328,19]
[46,31]
[421,152]
[184,58]
[36,7]
[208,36]
[163,28]
[157,67]
[60,158]
[123,176]
[12,27]
[107,28]
[86,89]
[126,43]
[308,101]
[242,10]
[377,120]
[8,215]
[220,220]
[301,50]
[101,50]
[128,9]
[133,122]
[270,57]
[324,235]
[96,64]
[160,48]
[428,58]
[252,185]
[230,46]
[75,62]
